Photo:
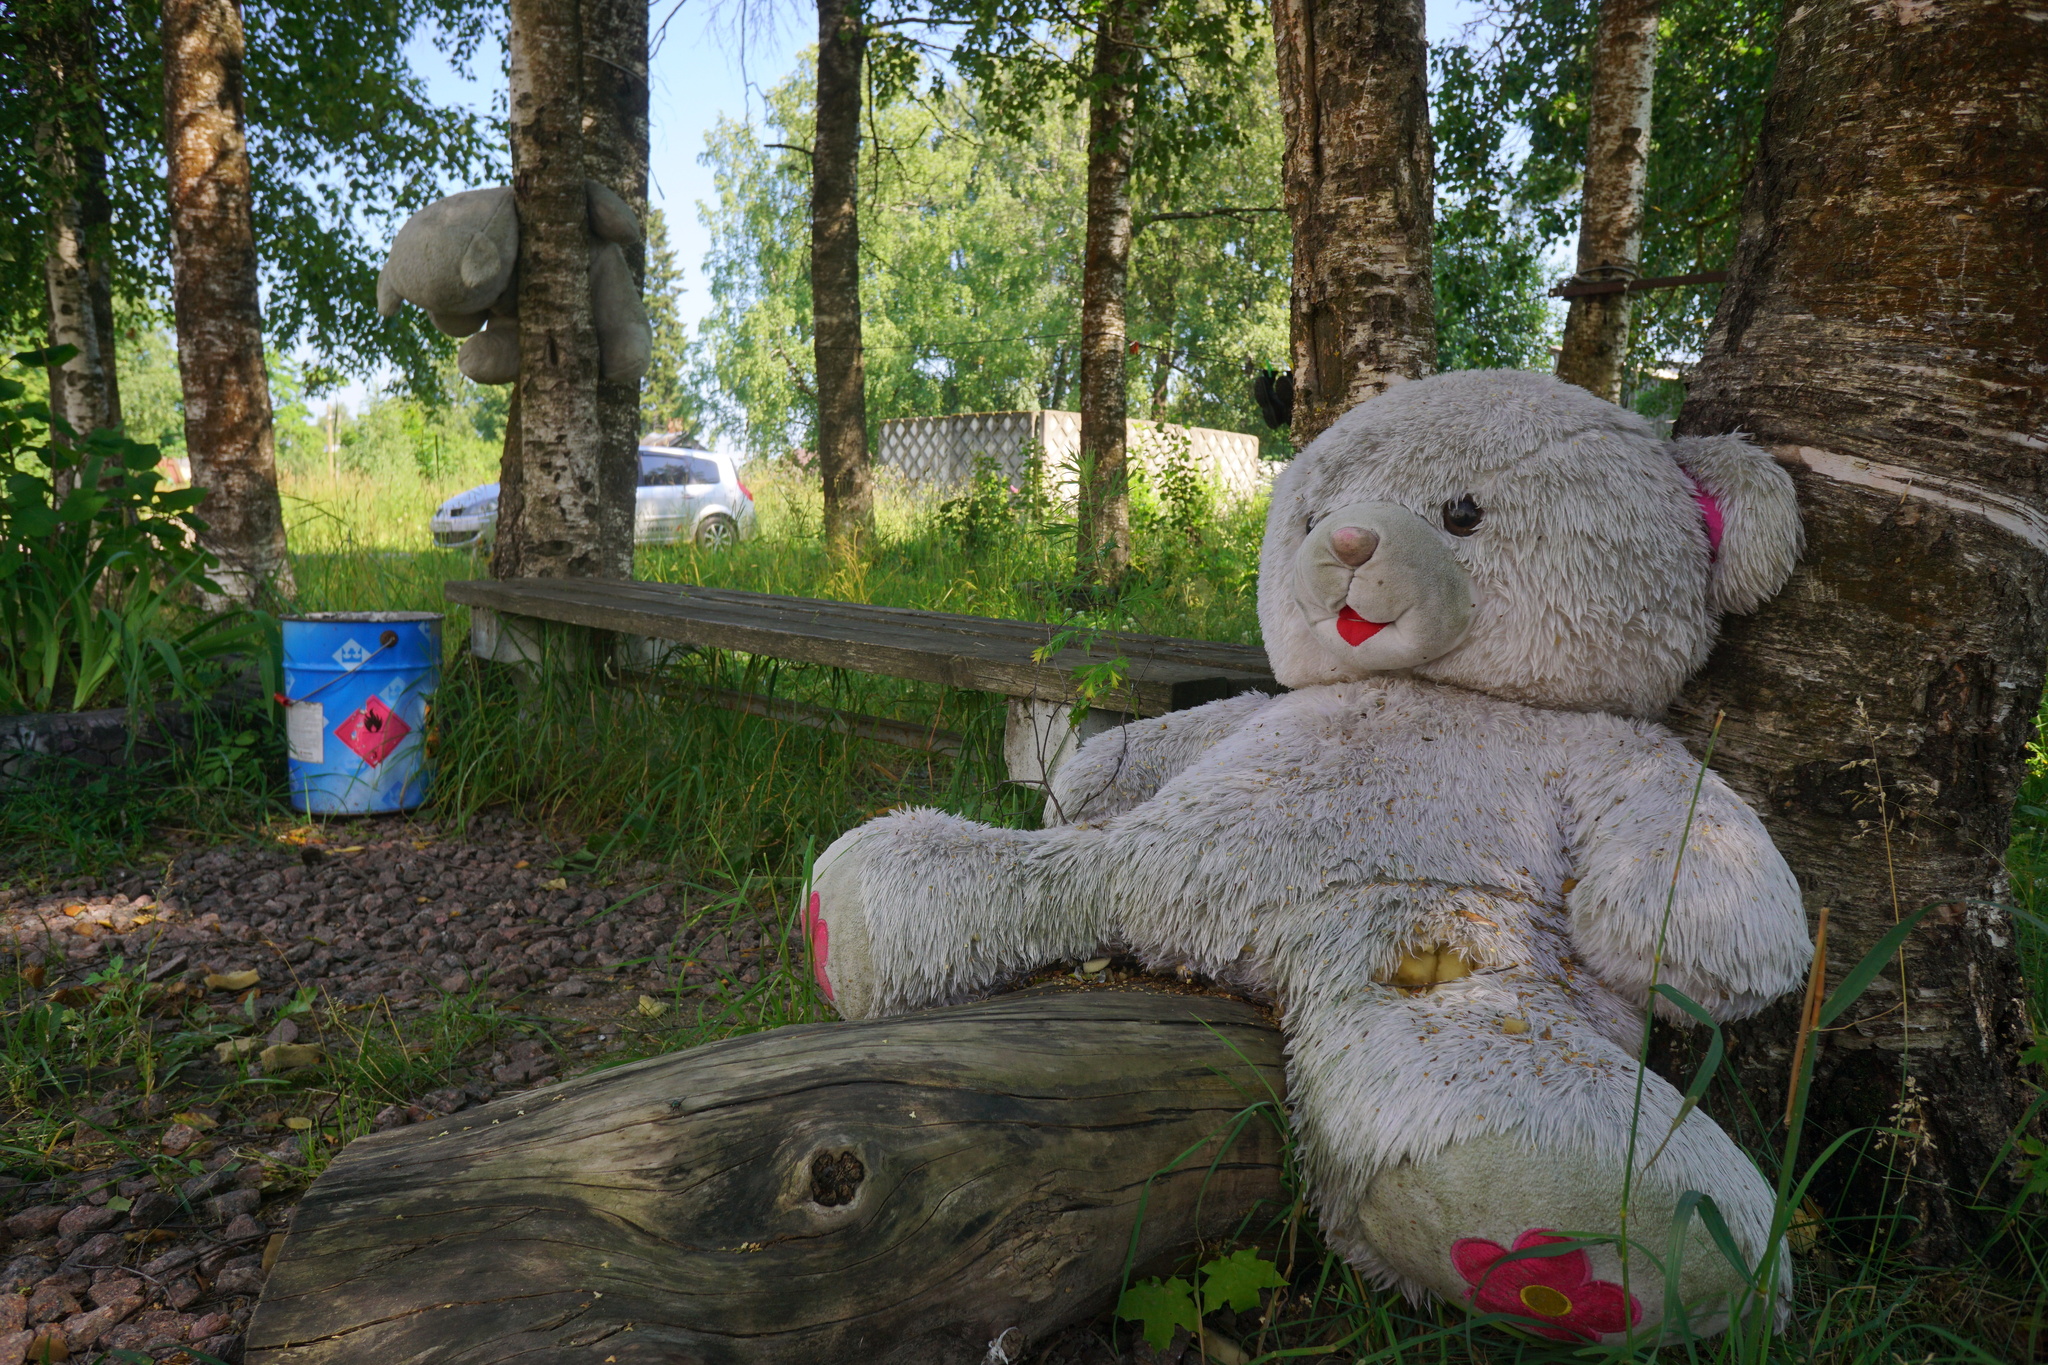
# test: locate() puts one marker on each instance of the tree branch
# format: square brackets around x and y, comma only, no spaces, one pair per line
[1145,220]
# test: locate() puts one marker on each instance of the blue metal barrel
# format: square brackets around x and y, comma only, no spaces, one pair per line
[358,686]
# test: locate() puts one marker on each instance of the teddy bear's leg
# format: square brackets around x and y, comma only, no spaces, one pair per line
[1453,1135]
[919,908]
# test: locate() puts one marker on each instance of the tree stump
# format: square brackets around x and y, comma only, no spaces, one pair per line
[903,1190]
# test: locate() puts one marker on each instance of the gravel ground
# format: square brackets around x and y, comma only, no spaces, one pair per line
[156,1240]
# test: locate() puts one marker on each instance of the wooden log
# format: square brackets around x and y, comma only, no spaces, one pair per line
[894,1192]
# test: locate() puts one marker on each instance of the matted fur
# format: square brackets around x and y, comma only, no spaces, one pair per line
[1505,798]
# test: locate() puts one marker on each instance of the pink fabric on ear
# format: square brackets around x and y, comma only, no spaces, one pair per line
[1710,508]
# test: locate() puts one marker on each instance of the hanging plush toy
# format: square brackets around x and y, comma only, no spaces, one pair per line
[1448,853]
[456,258]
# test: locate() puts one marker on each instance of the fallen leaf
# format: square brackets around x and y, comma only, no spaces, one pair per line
[232,981]
[290,1057]
[235,1048]
[77,997]
[352,848]
[651,1007]
[193,1119]
[558,884]
[522,863]
[74,911]
[1094,964]
[119,1204]
[298,1123]
[141,920]
[270,1250]
[34,976]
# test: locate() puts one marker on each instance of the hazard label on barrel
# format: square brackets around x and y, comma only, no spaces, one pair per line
[373,732]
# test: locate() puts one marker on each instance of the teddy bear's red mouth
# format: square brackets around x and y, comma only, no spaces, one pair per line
[1355,629]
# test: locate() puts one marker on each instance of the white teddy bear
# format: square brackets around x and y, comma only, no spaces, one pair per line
[1446,853]
[456,257]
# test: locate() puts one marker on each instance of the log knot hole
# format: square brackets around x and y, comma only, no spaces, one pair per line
[835,1178]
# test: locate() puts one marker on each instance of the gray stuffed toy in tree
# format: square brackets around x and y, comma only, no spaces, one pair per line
[456,258]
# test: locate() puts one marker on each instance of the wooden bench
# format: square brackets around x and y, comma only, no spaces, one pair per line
[1156,673]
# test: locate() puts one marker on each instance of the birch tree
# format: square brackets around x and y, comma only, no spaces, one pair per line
[1359,182]
[835,279]
[579,111]
[1882,335]
[1611,212]
[70,139]
[228,431]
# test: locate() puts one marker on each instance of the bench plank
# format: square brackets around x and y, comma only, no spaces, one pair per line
[980,653]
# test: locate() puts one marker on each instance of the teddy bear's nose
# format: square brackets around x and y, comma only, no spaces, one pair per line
[1354,544]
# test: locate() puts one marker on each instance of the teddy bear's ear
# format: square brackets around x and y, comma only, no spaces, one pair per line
[1752,517]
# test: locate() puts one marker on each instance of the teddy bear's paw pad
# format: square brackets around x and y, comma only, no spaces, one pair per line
[1423,968]
[819,933]
[1547,1281]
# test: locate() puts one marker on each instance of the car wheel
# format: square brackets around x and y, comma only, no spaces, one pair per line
[717,532]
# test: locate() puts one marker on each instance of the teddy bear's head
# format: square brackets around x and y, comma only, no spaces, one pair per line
[1513,534]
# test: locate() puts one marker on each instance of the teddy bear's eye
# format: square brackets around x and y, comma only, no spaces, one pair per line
[1310,523]
[1462,515]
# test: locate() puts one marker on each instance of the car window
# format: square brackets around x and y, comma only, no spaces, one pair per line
[666,471]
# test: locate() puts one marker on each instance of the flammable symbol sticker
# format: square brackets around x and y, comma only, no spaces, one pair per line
[373,732]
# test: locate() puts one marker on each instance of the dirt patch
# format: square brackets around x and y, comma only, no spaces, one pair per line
[262,1003]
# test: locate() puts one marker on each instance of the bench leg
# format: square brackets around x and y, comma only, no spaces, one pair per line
[502,638]
[1041,735]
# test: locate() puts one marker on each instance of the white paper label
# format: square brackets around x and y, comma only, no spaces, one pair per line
[305,730]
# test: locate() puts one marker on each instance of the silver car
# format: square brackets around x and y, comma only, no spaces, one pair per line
[685,493]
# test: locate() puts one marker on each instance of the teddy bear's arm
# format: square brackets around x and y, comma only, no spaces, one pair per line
[1735,935]
[922,908]
[1125,767]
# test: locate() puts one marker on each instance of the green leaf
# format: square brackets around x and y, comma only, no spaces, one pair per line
[1236,1280]
[1159,1308]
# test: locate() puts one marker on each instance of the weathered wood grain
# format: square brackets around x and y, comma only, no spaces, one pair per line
[980,653]
[886,1193]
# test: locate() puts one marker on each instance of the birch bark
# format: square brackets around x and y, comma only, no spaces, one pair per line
[551,510]
[835,280]
[71,142]
[214,296]
[614,78]
[1882,333]
[1102,542]
[1611,217]
[1359,184]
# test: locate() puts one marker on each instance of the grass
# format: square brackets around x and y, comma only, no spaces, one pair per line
[739,805]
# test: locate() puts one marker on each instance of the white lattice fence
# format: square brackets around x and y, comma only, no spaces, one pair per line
[941,451]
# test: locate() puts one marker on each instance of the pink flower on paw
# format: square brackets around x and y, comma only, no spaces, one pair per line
[819,934]
[1558,1291]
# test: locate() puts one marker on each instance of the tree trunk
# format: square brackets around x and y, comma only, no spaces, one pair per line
[214,297]
[899,1192]
[71,142]
[615,155]
[1102,543]
[1882,334]
[1611,217]
[835,280]
[1359,184]
[551,517]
